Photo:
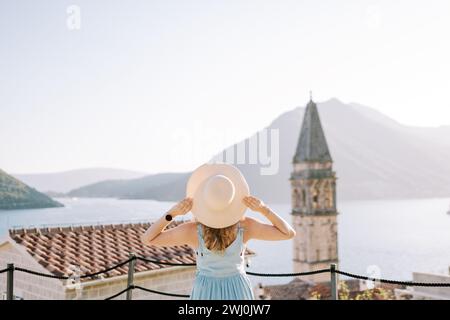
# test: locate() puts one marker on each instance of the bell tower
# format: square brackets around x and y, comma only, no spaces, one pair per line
[314,214]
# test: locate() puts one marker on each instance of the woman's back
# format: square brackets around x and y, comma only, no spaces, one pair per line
[221,275]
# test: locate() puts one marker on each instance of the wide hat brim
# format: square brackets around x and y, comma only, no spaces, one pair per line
[201,211]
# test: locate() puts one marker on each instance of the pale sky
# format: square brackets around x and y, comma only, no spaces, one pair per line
[164,85]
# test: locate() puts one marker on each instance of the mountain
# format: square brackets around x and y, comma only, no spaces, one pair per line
[61,182]
[163,187]
[437,135]
[374,157]
[14,194]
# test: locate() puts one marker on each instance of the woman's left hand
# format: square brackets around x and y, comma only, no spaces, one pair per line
[181,208]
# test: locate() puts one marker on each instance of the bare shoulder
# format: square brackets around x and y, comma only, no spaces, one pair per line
[189,230]
[188,226]
[249,224]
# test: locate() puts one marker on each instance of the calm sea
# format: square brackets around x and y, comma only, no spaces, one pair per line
[379,238]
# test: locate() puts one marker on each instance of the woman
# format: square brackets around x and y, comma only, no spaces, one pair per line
[221,231]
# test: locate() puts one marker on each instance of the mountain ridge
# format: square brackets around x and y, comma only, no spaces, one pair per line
[65,181]
[375,157]
[14,194]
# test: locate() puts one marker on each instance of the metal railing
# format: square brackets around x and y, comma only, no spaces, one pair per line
[334,272]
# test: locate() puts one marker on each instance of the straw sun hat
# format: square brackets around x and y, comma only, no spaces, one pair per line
[217,191]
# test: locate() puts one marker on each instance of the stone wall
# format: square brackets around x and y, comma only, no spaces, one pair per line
[315,244]
[174,280]
[431,292]
[28,286]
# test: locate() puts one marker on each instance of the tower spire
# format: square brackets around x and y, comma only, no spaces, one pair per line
[312,145]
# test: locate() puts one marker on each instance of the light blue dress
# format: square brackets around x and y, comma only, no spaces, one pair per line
[221,276]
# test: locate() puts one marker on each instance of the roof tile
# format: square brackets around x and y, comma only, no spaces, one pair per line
[94,248]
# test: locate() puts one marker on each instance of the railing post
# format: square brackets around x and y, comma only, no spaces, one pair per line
[10,282]
[334,282]
[131,275]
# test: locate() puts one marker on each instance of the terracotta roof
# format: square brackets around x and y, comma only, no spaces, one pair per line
[299,289]
[94,248]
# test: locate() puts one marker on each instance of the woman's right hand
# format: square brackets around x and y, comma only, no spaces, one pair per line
[181,208]
[254,203]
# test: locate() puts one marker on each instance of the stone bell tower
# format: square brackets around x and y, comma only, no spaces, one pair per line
[314,214]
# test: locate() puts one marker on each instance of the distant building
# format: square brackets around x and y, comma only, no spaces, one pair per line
[426,293]
[60,251]
[314,214]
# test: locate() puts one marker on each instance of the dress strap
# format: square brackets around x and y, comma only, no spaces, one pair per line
[200,234]
[240,230]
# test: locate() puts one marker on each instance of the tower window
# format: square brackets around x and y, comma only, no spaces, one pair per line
[303,198]
[296,199]
[315,199]
[328,195]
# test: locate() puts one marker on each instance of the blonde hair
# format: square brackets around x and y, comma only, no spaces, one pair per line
[219,239]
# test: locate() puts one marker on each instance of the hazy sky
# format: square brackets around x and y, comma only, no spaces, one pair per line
[164,85]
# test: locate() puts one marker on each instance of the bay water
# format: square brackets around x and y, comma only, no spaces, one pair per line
[387,238]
